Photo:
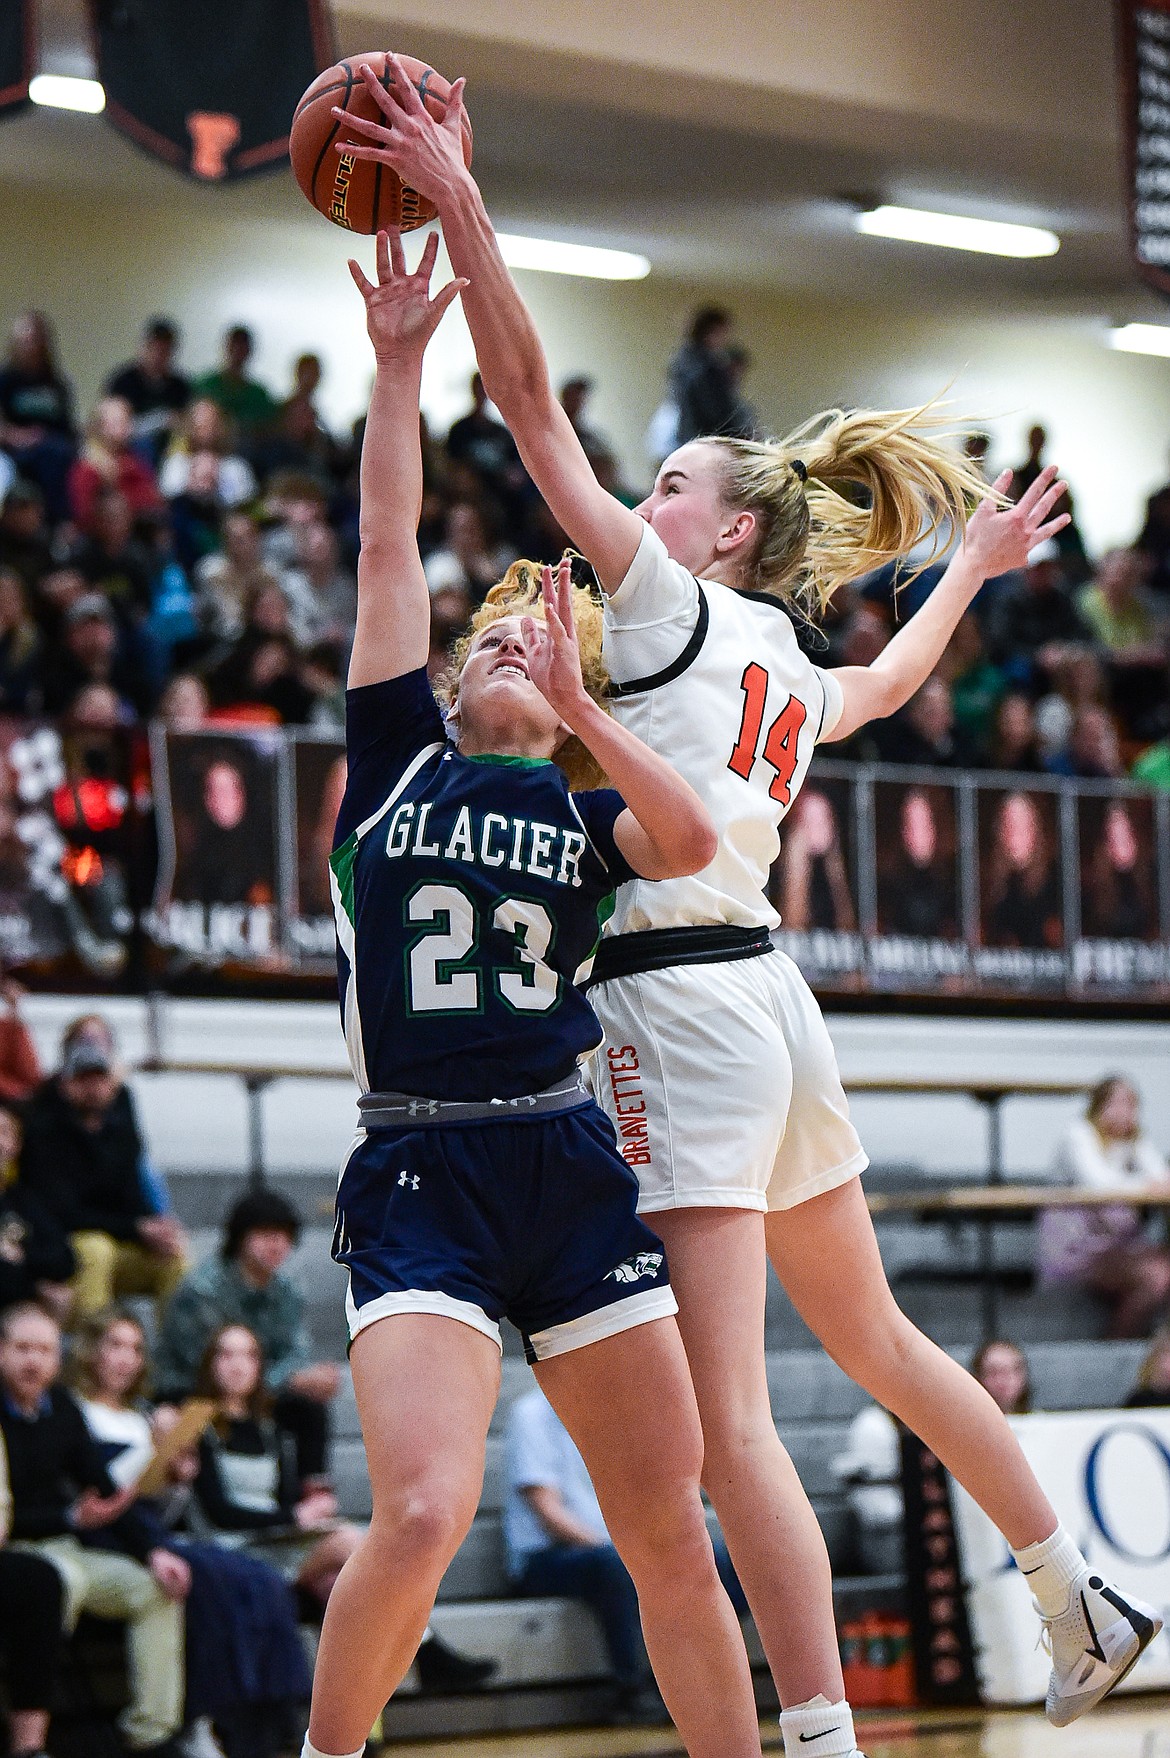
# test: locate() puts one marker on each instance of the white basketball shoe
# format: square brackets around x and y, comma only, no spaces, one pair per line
[1093,1644]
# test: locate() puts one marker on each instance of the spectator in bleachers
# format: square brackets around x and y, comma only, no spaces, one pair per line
[83,1157]
[574,396]
[1013,743]
[24,536]
[1002,1369]
[201,456]
[704,383]
[184,704]
[244,400]
[246,1283]
[1025,474]
[32,1604]
[481,443]
[1132,631]
[20,1066]
[469,557]
[1152,767]
[976,685]
[36,1260]
[1092,750]
[66,1509]
[257,678]
[37,425]
[558,1546]
[1110,1250]
[156,392]
[226,578]
[91,651]
[108,460]
[112,556]
[870,1466]
[321,592]
[1033,622]
[1154,541]
[248,1486]
[245,1663]
[21,649]
[924,731]
[1152,1388]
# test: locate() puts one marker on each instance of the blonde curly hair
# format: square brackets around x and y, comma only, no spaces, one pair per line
[518,594]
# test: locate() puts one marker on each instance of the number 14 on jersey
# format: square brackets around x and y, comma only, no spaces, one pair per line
[780,745]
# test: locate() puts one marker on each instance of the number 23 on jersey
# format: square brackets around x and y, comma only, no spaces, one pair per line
[781,743]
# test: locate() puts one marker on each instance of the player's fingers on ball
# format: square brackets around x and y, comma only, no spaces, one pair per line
[405,92]
[363,125]
[453,118]
[376,89]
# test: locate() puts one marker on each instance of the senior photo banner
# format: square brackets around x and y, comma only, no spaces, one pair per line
[947,884]
[210,88]
[1144,48]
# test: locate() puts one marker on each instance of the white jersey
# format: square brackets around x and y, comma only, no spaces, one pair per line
[730,700]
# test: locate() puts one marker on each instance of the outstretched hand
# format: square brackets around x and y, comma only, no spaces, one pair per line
[401,316]
[999,539]
[554,658]
[427,155]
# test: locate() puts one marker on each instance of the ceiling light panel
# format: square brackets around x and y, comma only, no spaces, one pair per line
[957,232]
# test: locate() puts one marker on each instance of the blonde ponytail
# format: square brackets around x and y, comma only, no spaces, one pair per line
[843,494]
[518,594]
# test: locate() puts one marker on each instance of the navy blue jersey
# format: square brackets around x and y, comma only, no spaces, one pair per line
[468,894]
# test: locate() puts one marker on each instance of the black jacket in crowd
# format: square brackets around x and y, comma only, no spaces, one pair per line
[87,1179]
[52,1457]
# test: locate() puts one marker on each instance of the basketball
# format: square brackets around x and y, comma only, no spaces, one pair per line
[351,192]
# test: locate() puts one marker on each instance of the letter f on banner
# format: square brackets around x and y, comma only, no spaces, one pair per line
[209,86]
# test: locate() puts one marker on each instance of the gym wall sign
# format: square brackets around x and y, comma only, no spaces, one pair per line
[210,89]
[1144,49]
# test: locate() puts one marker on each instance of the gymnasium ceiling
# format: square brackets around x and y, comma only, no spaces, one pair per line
[719,136]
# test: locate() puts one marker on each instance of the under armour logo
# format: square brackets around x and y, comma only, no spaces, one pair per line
[634,1269]
[408,1182]
[422,1107]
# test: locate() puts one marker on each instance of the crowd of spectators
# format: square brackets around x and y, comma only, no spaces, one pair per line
[1060,669]
[189,550]
[214,1563]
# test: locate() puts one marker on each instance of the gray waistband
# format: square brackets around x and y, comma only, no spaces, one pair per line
[401,1111]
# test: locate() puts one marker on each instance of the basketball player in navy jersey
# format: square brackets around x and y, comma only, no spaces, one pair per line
[468,886]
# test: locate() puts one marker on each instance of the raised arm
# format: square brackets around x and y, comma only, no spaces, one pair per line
[394,606]
[996,541]
[665,831]
[428,155]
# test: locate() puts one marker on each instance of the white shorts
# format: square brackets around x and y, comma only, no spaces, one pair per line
[722,1084]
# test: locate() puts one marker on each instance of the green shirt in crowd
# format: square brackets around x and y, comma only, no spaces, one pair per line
[215,1294]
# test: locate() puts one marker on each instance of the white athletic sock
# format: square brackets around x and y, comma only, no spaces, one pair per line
[310,1751]
[1050,1568]
[818,1729]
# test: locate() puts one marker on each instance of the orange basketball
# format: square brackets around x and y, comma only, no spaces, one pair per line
[352,192]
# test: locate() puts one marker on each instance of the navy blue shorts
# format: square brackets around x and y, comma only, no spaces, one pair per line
[531,1220]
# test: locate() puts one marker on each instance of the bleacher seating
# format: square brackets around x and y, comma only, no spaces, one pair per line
[551,1661]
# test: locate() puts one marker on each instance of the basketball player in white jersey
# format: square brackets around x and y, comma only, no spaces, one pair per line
[718,1073]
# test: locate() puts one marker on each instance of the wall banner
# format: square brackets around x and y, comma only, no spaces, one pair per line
[1107,1474]
[1144,47]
